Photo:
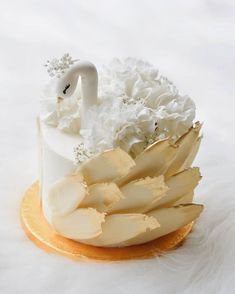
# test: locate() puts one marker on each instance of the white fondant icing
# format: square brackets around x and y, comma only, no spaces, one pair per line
[56,160]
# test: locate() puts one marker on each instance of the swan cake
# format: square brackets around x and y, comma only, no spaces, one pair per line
[116,155]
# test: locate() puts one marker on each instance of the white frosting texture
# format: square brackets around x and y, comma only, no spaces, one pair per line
[136,107]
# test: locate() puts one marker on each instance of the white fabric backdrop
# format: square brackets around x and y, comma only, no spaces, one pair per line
[192,42]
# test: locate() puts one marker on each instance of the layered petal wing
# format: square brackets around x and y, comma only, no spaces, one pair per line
[116,201]
[139,195]
[66,195]
[153,161]
[170,219]
[107,166]
[83,223]
[179,185]
[186,145]
[102,196]
[190,159]
[188,198]
[118,228]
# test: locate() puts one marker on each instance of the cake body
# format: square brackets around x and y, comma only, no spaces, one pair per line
[56,160]
[118,173]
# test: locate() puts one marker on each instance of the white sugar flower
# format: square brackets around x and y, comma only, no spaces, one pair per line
[175,117]
[65,116]
[113,123]
[137,81]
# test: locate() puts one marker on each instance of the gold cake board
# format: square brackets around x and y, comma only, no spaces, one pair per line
[41,233]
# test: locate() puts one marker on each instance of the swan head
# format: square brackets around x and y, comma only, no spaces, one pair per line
[66,85]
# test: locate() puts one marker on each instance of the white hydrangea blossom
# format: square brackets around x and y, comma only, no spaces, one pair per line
[137,81]
[113,123]
[136,107]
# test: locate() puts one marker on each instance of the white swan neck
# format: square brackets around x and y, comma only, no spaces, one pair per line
[89,86]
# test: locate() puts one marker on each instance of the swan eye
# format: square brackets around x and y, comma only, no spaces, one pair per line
[66,88]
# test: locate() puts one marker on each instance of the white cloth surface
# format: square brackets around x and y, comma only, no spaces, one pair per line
[192,43]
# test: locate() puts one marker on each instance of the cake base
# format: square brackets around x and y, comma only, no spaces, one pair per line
[43,235]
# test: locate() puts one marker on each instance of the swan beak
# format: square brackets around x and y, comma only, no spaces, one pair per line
[59,99]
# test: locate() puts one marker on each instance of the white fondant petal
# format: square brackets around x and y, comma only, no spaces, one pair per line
[83,223]
[65,195]
[154,161]
[170,219]
[107,166]
[185,148]
[139,195]
[102,196]
[179,185]
[119,228]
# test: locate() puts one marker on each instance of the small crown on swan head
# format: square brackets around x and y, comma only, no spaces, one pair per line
[57,66]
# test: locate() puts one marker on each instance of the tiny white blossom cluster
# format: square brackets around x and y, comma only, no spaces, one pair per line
[57,67]
[137,106]
[81,153]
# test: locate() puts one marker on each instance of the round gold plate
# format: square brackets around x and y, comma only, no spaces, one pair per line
[41,233]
